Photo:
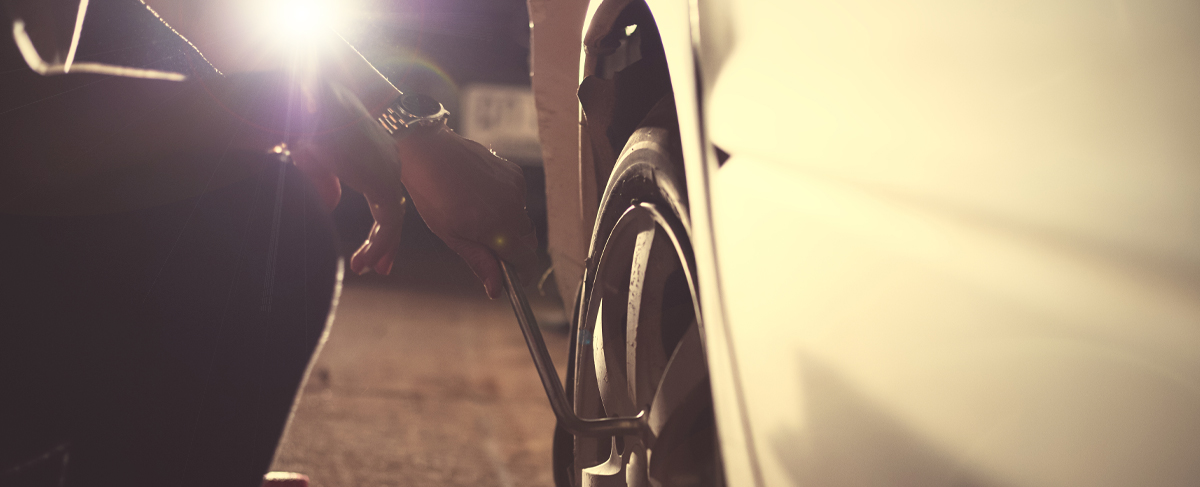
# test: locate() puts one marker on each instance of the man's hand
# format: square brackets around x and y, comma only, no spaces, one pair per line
[470,198]
[350,146]
[473,200]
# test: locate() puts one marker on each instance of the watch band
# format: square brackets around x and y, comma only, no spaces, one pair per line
[409,111]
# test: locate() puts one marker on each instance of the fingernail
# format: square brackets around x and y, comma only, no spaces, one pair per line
[365,269]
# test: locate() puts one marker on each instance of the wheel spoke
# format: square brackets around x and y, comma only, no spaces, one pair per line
[640,335]
[610,373]
[647,322]
[611,473]
[686,373]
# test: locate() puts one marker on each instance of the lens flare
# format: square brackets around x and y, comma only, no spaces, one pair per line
[298,22]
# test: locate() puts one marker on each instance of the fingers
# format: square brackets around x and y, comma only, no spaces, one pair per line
[347,145]
[358,262]
[375,254]
[482,262]
[378,252]
[384,266]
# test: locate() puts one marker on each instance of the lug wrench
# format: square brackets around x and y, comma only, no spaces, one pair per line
[627,426]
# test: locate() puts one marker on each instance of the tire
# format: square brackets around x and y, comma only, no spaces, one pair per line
[563,448]
[637,338]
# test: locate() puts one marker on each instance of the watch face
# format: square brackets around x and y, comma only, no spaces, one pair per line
[420,105]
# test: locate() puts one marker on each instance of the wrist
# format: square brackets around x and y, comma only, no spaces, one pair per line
[412,113]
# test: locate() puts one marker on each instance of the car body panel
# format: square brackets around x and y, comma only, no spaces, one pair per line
[957,242]
[885,343]
[1074,118]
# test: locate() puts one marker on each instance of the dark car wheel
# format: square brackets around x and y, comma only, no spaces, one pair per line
[637,341]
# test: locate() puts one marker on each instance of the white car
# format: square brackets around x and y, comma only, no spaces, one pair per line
[902,243]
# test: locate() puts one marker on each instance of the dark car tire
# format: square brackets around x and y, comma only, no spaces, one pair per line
[642,230]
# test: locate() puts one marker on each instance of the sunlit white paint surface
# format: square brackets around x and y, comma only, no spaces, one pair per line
[959,243]
[881,341]
[1071,117]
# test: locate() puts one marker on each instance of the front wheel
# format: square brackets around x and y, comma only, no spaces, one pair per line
[638,338]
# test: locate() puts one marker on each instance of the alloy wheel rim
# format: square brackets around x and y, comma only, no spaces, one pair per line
[641,350]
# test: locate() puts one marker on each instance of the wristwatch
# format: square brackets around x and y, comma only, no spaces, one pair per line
[410,112]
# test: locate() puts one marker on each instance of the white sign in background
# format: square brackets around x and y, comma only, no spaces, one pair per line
[502,118]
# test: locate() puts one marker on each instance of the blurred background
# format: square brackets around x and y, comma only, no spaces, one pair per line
[424,381]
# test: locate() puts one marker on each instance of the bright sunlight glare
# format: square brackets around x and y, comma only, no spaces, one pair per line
[298,21]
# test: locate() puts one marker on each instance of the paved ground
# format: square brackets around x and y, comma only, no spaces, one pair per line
[424,382]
